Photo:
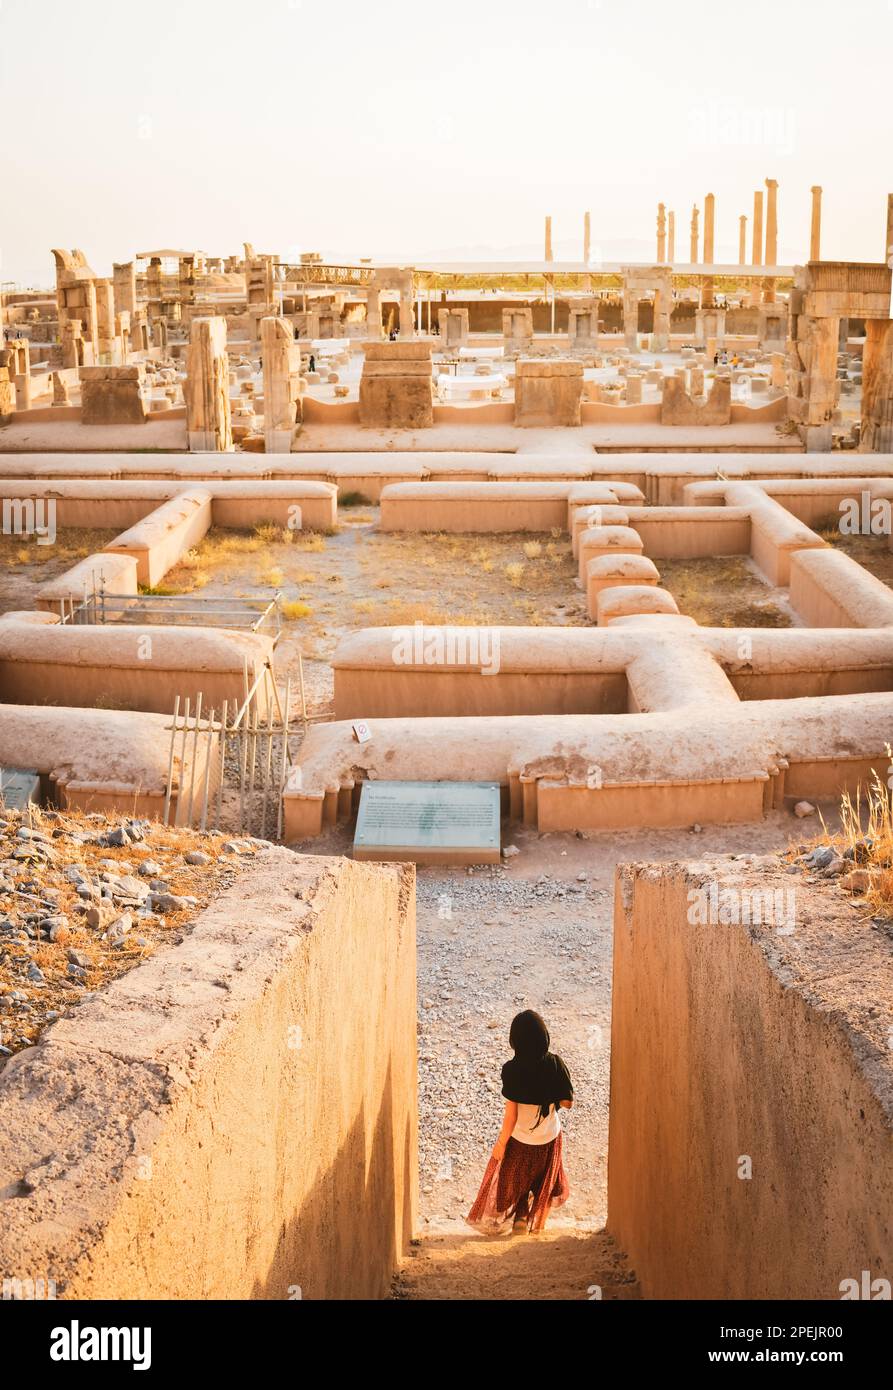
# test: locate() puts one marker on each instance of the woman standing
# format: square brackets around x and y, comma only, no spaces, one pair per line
[525,1177]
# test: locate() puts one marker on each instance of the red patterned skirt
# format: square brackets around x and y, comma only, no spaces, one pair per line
[527,1183]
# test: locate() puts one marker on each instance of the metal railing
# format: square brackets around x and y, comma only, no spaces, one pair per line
[180,610]
[247,748]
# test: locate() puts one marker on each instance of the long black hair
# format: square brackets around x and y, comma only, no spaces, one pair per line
[535,1074]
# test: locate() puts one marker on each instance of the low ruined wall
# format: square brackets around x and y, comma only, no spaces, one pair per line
[128,667]
[691,532]
[474,507]
[219,1129]
[830,589]
[731,1043]
[160,539]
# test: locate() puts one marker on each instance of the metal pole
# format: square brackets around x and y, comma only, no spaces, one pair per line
[170,764]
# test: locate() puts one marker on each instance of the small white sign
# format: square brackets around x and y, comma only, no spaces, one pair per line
[361,732]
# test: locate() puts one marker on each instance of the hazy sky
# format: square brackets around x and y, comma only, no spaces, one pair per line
[415,127]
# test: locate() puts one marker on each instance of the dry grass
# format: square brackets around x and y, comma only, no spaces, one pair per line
[721,592]
[866,833]
[293,610]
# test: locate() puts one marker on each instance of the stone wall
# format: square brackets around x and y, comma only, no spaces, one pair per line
[396,388]
[548,392]
[732,1043]
[235,1118]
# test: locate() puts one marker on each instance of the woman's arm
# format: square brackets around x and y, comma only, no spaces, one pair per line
[509,1120]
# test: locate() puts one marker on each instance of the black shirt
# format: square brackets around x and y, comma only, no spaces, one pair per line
[543,1082]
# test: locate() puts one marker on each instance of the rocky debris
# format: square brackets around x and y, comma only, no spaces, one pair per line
[804,809]
[84,898]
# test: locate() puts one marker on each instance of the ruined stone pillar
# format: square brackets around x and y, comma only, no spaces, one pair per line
[105,319]
[663,307]
[548,249]
[671,238]
[814,384]
[631,318]
[124,283]
[742,239]
[282,384]
[373,314]
[757,257]
[889,256]
[815,231]
[693,249]
[587,238]
[877,388]
[661,234]
[208,424]
[407,319]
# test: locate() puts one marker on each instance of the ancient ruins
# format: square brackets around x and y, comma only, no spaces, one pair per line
[611,541]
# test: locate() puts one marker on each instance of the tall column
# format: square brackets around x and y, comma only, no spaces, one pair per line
[587,239]
[771,222]
[709,216]
[771,237]
[889,256]
[709,253]
[757,257]
[815,231]
[548,248]
[661,234]
[742,239]
[208,424]
[671,238]
[693,249]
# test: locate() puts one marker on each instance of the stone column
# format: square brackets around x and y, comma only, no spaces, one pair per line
[742,239]
[815,231]
[671,238]
[771,237]
[631,318]
[548,248]
[693,249]
[208,425]
[587,238]
[663,307]
[709,253]
[889,256]
[105,318]
[661,234]
[124,282]
[407,318]
[373,314]
[814,384]
[771,222]
[877,388]
[757,257]
[282,383]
